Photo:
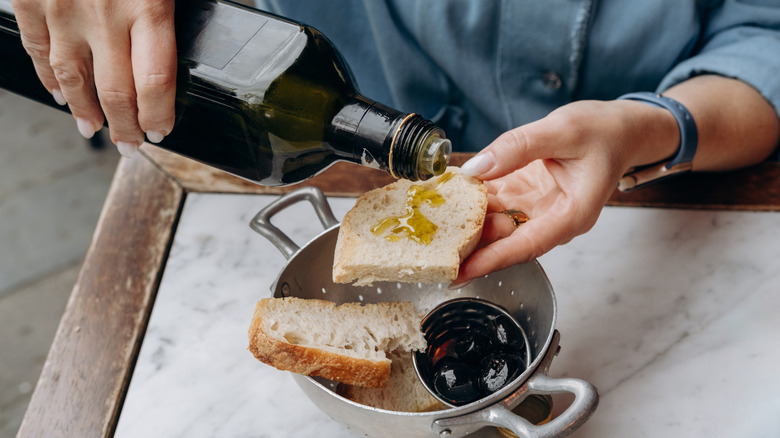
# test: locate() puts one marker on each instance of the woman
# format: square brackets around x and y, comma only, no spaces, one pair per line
[534,86]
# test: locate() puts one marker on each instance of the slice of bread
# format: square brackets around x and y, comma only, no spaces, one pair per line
[364,255]
[348,343]
[404,391]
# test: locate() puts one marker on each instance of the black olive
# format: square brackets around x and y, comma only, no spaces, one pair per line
[455,382]
[435,354]
[471,348]
[505,332]
[498,370]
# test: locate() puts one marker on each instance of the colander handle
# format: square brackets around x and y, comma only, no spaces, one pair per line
[585,402]
[261,223]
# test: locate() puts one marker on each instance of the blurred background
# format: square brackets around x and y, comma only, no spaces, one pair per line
[52,186]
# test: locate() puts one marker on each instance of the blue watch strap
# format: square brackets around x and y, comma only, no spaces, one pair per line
[689,137]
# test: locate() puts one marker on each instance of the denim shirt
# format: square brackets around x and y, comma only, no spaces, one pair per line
[482,67]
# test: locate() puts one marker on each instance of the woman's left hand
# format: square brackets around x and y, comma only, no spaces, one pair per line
[560,171]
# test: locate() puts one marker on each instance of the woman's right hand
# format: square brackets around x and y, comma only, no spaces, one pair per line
[108,60]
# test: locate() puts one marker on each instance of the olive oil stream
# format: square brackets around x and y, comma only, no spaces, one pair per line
[413,224]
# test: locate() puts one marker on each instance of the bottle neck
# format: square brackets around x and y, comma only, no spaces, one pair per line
[374,135]
[419,150]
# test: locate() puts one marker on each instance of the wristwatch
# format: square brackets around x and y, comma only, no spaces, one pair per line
[681,162]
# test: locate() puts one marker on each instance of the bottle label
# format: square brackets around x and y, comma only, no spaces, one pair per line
[231,44]
[211,25]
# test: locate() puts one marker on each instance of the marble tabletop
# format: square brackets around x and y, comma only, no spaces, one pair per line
[671,314]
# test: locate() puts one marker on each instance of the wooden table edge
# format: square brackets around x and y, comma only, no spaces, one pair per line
[86,374]
[756,188]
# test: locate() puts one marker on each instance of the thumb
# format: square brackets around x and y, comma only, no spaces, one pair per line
[509,152]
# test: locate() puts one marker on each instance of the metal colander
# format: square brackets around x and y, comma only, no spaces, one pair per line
[523,290]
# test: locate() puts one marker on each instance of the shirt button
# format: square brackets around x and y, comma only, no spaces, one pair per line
[551,80]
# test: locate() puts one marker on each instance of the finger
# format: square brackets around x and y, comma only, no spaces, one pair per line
[555,220]
[70,58]
[116,90]
[497,226]
[35,39]
[71,63]
[154,70]
[529,241]
[518,147]
[494,203]
[505,154]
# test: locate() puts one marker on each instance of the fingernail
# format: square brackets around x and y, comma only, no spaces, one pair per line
[86,128]
[457,286]
[127,149]
[58,97]
[478,164]
[155,136]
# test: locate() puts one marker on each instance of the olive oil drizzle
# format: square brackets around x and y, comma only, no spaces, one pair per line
[413,224]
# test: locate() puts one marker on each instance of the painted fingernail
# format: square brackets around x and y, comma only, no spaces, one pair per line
[127,149]
[478,164]
[58,97]
[155,136]
[86,128]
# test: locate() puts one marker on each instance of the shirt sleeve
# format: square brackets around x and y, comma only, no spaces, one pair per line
[740,40]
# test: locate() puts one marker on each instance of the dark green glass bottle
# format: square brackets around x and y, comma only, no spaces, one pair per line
[266,99]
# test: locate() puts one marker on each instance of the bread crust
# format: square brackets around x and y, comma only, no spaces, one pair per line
[312,361]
